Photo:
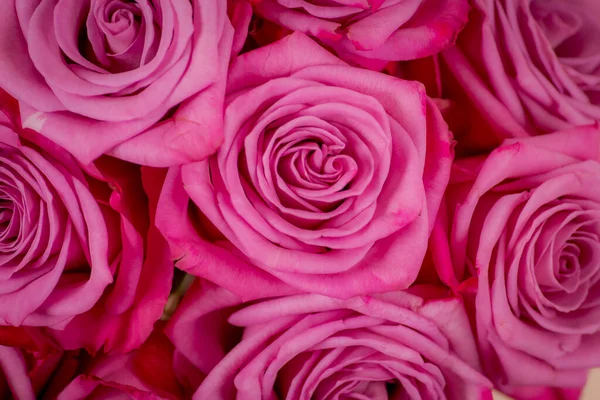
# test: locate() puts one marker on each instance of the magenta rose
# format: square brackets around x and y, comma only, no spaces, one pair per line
[372,31]
[95,76]
[124,316]
[530,66]
[77,245]
[392,345]
[28,360]
[240,15]
[525,221]
[544,393]
[145,373]
[329,178]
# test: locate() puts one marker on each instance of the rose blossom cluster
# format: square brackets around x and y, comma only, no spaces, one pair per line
[299,199]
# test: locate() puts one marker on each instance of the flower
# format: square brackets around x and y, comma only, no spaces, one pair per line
[329,177]
[140,80]
[529,66]
[78,244]
[312,346]
[523,222]
[146,373]
[28,360]
[371,31]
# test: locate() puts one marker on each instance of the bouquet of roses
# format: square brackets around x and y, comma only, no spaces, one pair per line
[299,199]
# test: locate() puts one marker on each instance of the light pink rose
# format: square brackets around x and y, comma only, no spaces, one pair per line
[392,345]
[371,31]
[525,221]
[95,75]
[77,245]
[329,177]
[529,66]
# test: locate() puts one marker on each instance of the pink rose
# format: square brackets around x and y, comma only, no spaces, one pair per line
[124,316]
[310,346]
[77,244]
[544,393]
[146,373]
[525,221]
[371,31]
[529,66]
[240,15]
[263,32]
[95,75]
[28,361]
[465,125]
[329,177]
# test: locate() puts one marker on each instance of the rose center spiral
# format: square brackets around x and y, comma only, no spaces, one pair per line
[115,36]
[315,170]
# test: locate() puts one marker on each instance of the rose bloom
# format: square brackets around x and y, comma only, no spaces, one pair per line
[145,373]
[32,368]
[28,360]
[77,245]
[240,15]
[94,76]
[529,66]
[392,345]
[371,32]
[544,393]
[525,221]
[329,177]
